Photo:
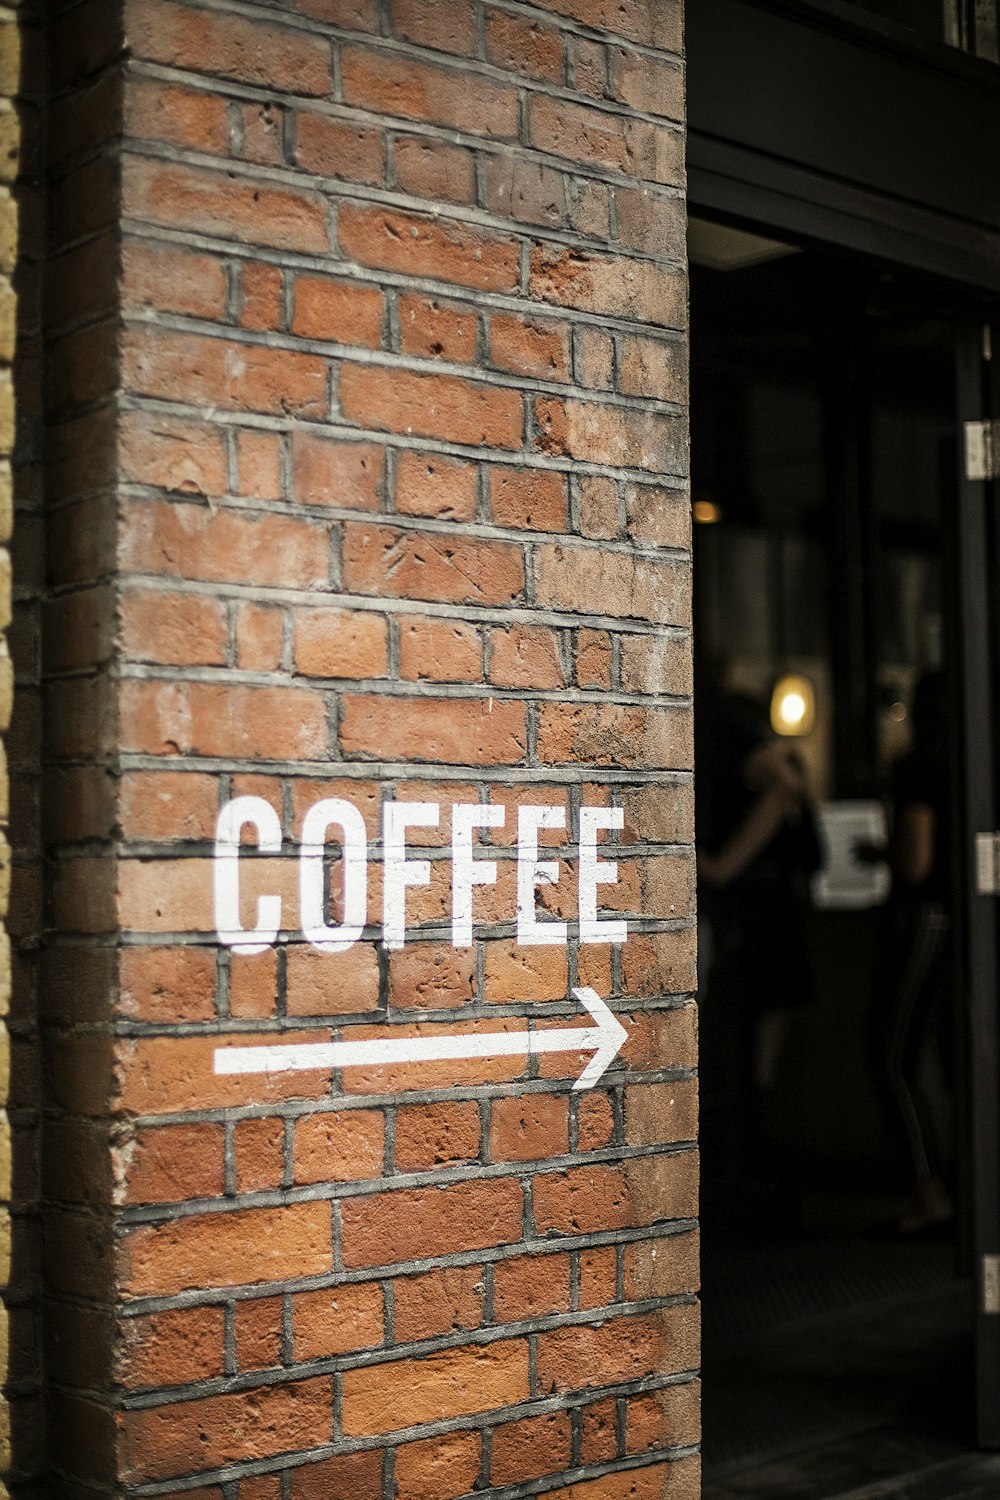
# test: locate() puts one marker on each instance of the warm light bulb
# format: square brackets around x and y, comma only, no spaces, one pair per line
[792,709]
[706,512]
[793,706]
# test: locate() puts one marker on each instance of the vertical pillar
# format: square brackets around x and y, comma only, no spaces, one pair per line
[371,756]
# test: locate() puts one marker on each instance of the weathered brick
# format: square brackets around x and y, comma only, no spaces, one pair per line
[338,148]
[442,248]
[229,46]
[412,90]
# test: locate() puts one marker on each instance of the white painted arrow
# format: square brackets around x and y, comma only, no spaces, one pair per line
[604,1039]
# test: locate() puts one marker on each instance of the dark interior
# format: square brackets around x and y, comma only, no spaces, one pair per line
[825,469]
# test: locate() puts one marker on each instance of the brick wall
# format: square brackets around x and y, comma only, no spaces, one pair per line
[367,404]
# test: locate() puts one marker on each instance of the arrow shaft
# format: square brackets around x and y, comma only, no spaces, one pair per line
[301,1056]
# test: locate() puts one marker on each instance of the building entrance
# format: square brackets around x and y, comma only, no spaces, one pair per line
[832,690]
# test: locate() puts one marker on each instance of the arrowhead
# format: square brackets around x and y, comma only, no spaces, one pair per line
[609,1037]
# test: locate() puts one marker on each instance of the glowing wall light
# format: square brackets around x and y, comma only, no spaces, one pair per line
[793,705]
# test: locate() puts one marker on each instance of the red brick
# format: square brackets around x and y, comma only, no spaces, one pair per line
[647,222]
[340,643]
[259,637]
[168,279]
[595,1122]
[525,656]
[527,346]
[192,541]
[416,1222]
[167,805]
[595,360]
[466,732]
[530,1286]
[516,973]
[211,1249]
[662,1267]
[173,1347]
[424,23]
[598,1432]
[600,514]
[259,460]
[675,1480]
[639,587]
[341,1146]
[436,330]
[439,650]
[524,45]
[436,1135]
[587,1198]
[526,191]
[590,207]
[616,285]
[623,1348]
[323,985]
[357,15]
[530,1448]
[210,372]
[598,1277]
[229,46]
[455,1382]
[590,68]
[439,1468]
[391,84]
[529,1127]
[532,499]
[260,1487]
[338,148]
[654,85]
[169,1163]
[383,561]
[350,1474]
[431,976]
[661,1112]
[261,286]
[337,1320]
[175,629]
[211,203]
[443,249]
[261,134]
[175,115]
[436,406]
[253,984]
[258,1334]
[445,1301]
[664,1419]
[172,454]
[201,718]
[168,1074]
[338,311]
[167,984]
[327,471]
[259,1153]
[159,1441]
[653,367]
[641,21]
[429,484]
[602,433]
[432,169]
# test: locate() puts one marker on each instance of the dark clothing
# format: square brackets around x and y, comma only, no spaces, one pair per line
[759,919]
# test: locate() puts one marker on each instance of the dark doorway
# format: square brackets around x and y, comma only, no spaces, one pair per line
[825,485]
